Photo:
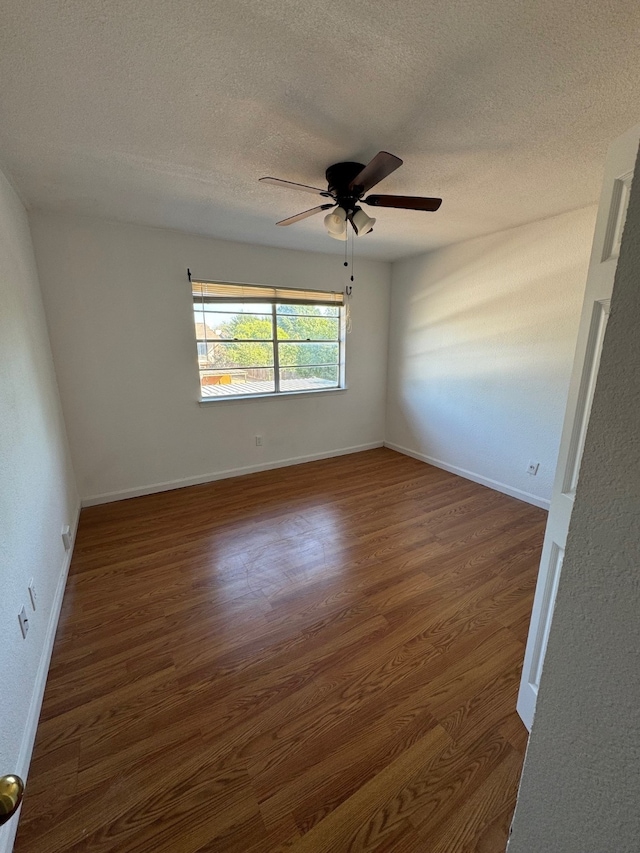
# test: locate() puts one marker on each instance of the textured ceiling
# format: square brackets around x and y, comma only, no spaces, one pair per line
[166,112]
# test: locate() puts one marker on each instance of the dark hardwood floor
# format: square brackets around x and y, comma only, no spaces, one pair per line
[321,658]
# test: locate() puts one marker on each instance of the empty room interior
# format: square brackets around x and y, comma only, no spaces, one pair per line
[319,393]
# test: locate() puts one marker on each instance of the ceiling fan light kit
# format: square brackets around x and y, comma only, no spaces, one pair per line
[362,224]
[347,184]
[336,223]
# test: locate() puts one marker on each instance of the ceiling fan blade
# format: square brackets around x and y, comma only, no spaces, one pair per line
[290,185]
[406,202]
[382,165]
[304,214]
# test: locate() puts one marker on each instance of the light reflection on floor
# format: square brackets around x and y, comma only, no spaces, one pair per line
[274,554]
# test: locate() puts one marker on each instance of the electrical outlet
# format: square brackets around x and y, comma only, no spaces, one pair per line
[533,468]
[258,441]
[66,537]
[24,622]
[33,595]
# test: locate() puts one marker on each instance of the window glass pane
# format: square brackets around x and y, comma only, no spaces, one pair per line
[230,383]
[200,324]
[224,354]
[301,354]
[308,328]
[233,307]
[308,378]
[309,310]
[216,325]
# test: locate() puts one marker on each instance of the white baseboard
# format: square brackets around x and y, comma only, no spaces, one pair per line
[35,706]
[521,495]
[108,497]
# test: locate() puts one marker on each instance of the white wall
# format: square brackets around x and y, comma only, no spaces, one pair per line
[120,316]
[482,338]
[580,789]
[37,492]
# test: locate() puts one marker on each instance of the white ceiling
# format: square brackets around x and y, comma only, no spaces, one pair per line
[166,112]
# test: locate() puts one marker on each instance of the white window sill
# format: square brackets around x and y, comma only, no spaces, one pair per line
[244,398]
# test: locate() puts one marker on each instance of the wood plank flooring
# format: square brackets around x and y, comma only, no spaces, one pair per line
[318,659]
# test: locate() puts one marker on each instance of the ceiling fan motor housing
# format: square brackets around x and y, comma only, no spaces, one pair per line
[339,176]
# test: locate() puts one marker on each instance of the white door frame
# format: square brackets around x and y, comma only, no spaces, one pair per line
[612,212]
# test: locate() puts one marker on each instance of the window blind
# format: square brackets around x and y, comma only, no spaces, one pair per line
[210,291]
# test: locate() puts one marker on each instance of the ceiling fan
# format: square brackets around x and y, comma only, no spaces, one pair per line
[347,184]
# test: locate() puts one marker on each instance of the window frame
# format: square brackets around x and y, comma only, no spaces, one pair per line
[242,294]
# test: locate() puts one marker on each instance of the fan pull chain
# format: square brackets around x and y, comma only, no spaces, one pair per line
[346,249]
[349,287]
[352,267]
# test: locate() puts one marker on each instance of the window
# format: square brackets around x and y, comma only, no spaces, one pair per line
[255,340]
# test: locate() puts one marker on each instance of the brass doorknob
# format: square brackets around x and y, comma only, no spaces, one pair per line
[11,791]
